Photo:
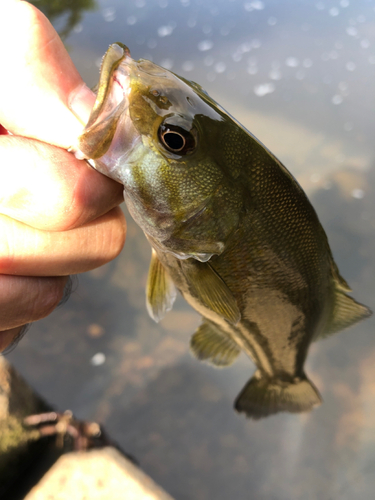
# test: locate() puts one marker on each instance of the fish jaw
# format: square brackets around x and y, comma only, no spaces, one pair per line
[110,136]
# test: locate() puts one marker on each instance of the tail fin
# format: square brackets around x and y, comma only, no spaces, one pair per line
[263,396]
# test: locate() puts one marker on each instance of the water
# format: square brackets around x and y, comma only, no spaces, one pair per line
[300,76]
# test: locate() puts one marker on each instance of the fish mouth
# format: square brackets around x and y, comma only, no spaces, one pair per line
[110,136]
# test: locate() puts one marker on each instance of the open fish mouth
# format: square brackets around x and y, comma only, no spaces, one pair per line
[110,136]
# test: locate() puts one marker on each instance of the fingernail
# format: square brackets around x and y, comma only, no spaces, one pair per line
[81,102]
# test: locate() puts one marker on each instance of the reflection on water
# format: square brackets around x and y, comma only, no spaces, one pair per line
[316,62]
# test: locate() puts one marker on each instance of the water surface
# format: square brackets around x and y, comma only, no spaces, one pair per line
[300,76]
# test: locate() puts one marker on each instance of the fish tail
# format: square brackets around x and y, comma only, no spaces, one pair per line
[264,396]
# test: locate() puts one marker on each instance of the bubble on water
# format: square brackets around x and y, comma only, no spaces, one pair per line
[264,89]
[98,359]
[275,74]
[272,21]
[167,63]
[358,193]
[348,126]
[244,47]
[207,29]
[350,66]
[220,67]
[253,61]
[192,23]
[131,20]
[163,4]
[343,86]
[208,61]
[185,3]
[252,70]
[151,44]
[371,59]
[254,5]
[255,44]
[334,12]
[315,178]
[188,66]
[320,5]
[109,14]
[78,28]
[165,30]
[344,3]
[140,3]
[352,31]
[292,62]
[337,99]
[236,57]
[205,45]
[365,44]
[361,19]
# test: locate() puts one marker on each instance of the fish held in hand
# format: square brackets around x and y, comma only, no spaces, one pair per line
[229,227]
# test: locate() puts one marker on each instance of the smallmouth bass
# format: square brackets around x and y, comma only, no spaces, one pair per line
[229,227]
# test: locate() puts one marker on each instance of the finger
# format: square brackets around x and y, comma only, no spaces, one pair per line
[25,299]
[48,188]
[31,252]
[9,337]
[37,78]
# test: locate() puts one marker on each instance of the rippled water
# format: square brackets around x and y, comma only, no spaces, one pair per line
[300,75]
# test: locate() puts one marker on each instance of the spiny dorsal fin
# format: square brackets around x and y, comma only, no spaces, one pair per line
[209,288]
[346,312]
[210,343]
[160,289]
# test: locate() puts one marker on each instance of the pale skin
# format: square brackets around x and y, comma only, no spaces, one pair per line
[57,215]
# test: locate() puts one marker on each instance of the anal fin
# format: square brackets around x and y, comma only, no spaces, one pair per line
[210,343]
[160,289]
[262,396]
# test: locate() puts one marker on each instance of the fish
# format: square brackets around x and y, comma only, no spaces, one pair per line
[230,228]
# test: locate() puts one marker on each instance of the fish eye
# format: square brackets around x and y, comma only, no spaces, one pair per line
[176,139]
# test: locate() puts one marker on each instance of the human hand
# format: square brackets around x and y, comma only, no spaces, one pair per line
[57,215]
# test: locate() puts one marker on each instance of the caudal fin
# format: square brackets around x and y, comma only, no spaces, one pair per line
[263,396]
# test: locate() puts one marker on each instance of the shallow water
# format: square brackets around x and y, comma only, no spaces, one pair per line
[300,76]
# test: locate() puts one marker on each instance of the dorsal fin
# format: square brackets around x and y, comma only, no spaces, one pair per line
[210,343]
[209,288]
[346,312]
[160,289]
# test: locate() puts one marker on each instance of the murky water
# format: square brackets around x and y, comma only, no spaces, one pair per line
[300,75]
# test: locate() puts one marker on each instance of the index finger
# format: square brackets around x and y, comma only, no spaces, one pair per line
[38,77]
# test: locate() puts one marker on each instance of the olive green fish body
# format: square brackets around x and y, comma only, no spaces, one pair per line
[230,228]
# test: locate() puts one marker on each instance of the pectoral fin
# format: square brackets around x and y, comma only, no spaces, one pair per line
[160,289]
[210,343]
[346,312]
[209,288]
